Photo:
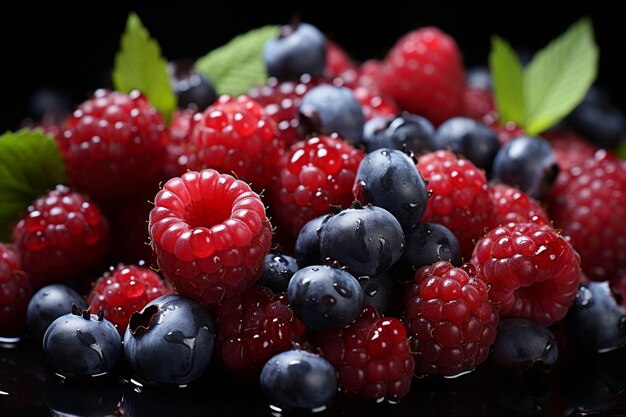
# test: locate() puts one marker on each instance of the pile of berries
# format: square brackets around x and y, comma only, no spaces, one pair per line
[340,229]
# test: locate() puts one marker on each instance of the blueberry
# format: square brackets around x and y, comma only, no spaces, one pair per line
[380,291]
[415,133]
[49,104]
[366,240]
[388,178]
[82,344]
[299,380]
[192,89]
[170,341]
[278,269]
[299,49]
[73,398]
[48,304]
[527,163]
[478,77]
[522,344]
[596,321]
[324,297]
[470,138]
[327,109]
[308,242]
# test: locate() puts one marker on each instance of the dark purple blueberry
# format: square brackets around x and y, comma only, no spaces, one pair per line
[278,269]
[596,321]
[478,77]
[388,178]
[298,49]
[324,297]
[414,132]
[48,304]
[49,105]
[527,163]
[380,291]
[328,109]
[308,242]
[299,380]
[82,344]
[75,398]
[192,89]
[366,240]
[170,341]
[523,344]
[470,138]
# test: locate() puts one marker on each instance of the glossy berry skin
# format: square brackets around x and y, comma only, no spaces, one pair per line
[307,246]
[299,380]
[532,270]
[48,304]
[278,269]
[114,145]
[424,73]
[124,290]
[513,205]
[253,327]
[192,89]
[323,297]
[595,322]
[451,322]
[522,345]
[381,292]
[327,109]
[82,344]
[210,233]
[527,163]
[14,294]
[396,132]
[388,178]
[298,49]
[314,175]
[170,341]
[371,355]
[62,234]
[470,138]
[365,240]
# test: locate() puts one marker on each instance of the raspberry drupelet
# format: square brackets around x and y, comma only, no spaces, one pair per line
[14,294]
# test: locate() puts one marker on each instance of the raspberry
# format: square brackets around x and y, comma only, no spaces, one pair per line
[588,202]
[125,290]
[533,271]
[424,73]
[478,102]
[374,103]
[451,322]
[570,148]
[62,235]
[371,355]
[180,129]
[253,327]
[210,234]
[460,197]
[314,174]
[513,205]
[337,60]
[114,145]
[14,294]
[506,131]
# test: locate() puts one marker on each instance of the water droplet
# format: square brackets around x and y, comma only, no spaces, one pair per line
[584,297]
[372,289]
[342,291]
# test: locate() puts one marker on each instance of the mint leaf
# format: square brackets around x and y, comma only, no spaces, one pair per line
[237,66]
[558,77]
[30,165]
[508,80]
[621,150]
[139,65]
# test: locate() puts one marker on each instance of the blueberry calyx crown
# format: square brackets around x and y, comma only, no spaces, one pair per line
[86,313]
[141,321]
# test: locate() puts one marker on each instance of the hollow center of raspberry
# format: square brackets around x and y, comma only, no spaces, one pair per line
[206,213]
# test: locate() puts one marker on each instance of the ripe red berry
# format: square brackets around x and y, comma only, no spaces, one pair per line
[15,292]
[62,234]
[337,60]
[478,102]
[570,148]
[374,103]
[513,205]
[180,129]
[451,321]
[210,234]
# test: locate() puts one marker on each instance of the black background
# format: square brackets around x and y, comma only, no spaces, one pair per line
[70,47]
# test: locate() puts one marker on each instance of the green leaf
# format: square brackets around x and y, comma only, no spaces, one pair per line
[621,150]
[237,66]
[30,165]
[140,65]
[559,76]
[508,80]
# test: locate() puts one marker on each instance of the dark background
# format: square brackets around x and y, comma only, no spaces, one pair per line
[70,47]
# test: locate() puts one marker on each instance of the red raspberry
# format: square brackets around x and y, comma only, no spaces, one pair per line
[15,292]
[588,202]
[114,145]
[337,60]
[62,235]
[125,290]
[513,205]
[460,199]
[506,132]
[210,233]
[424,73]
[315,174]
[570,148]
[253,327]
[374,103]
[533,271]
[181,126]
[371,356]
[478,102]
[451,322]
[369,73]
